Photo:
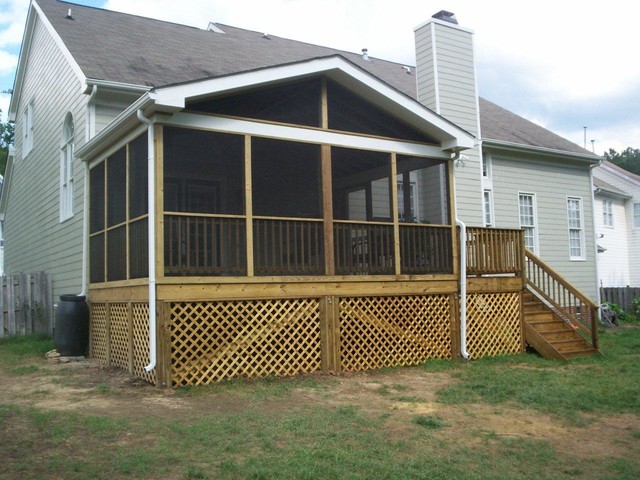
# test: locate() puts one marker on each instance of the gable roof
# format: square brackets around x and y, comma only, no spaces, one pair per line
[115,47]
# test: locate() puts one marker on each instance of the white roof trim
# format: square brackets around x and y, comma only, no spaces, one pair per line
[502,145]
[24,53]
[301,134]
[175,97]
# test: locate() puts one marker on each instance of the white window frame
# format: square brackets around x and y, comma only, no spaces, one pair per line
[576,228]
[607,212]
[66,168]
[533,225]
[486,166]
[487,207]
[636,215]
[27,129]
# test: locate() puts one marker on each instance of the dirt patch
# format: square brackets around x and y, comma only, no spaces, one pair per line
[398,396]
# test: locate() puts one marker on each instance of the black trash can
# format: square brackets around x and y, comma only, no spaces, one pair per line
[71,334]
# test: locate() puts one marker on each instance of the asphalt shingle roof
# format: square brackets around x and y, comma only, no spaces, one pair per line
[137,50]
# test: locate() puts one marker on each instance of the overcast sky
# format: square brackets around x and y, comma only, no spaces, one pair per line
[564,64]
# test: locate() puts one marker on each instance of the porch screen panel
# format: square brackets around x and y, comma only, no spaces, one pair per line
[96,199]
[363,232]
[116,254]
[287,207]
[116,188]
[203,172]
[204,180]
[139,249]
[96,258]
[138,177]
[424,215]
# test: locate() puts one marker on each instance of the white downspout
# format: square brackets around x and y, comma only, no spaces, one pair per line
[85,231]
[85,206]
[151,239]
[463,273]
[595,235]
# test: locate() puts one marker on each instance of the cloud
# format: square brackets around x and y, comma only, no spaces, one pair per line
[8,62]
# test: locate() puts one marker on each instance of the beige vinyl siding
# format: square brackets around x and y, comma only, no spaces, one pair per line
[451,76]
[551,182]
[110,104]
[34,237]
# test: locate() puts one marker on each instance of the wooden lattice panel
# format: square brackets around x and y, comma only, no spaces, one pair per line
[98,335]
[379,332]
[493,324]
[212,341]
[119,334]
[140,333]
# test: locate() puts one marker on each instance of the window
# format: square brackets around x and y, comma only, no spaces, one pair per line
[27,143]
[487,206]
[527,210]
[636,215]
[607,212]
[486,165]
[576,230]
[66,170]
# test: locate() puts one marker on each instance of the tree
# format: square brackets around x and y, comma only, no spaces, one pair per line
[6,140]
[629,159]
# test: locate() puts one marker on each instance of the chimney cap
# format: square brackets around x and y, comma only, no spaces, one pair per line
[446,16]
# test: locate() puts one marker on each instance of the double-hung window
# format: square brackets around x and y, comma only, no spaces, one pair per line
[527,212]
[27,132]
[487,207]
[607,212]
[66,169]
[576,228]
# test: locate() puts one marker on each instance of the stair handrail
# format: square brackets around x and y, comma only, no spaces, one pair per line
[573,306]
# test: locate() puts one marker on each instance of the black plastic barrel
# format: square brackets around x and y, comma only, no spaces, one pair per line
[71,334]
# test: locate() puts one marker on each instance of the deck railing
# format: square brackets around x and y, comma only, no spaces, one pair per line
[492,251]
[204,245]
[425,249]
[288,247]
[568,302]
[363,248]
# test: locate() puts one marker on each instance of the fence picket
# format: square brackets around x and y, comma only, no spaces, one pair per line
[622,296]
[26,304]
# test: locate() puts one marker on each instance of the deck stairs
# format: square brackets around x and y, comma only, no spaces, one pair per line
[549,334]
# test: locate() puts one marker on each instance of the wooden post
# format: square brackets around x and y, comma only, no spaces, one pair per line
[248,201]
[107,335]
[327,211]
[454,312]
[394,214]
[130,334]
[163,367]
[159,205]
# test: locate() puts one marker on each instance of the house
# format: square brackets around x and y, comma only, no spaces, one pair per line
[617,196]
[239,204]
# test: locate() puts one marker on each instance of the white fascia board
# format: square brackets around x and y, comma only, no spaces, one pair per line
[118,86]
[35,12]
[621,175]
[120,125]
[298,134]
[499,145]
[175,97]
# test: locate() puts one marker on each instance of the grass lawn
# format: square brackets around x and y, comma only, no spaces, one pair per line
[516,417]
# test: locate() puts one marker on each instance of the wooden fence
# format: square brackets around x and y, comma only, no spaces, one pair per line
[26,304]
[622,296]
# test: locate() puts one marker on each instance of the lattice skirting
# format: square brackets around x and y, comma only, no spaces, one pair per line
[212,341]
[493,324]
[379,332]
[119,337]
